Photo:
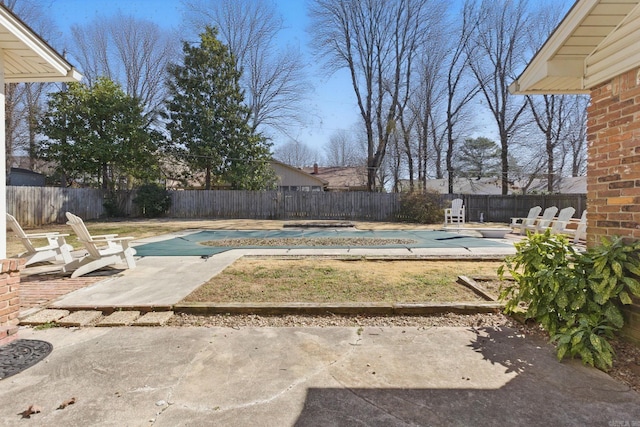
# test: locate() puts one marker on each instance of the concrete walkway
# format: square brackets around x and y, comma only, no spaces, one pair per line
[309,377]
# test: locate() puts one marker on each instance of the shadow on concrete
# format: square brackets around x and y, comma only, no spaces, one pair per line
[541,393]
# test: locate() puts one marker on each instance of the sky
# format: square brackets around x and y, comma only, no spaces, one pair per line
[331,106]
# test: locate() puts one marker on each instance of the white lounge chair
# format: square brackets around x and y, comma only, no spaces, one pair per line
[114,249]
[454,214]
[579,233]
[543,222]
[564,217]
[56,249]
[520,224]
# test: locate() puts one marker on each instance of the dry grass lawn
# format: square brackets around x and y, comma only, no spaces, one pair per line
[335,280]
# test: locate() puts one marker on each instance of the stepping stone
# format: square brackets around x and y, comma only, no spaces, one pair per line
[119,318]
[80,318]
[154,318]
[45,316]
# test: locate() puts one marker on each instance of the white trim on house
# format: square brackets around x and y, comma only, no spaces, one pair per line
[294,179]
[588,46]
[27,57]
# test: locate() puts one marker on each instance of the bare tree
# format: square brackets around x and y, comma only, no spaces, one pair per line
[342,150]
[378,42]
[273,77]
[133,52]
[576,135]
[426,101]
[497,46]
[459,90]
[550,113]
[296,153]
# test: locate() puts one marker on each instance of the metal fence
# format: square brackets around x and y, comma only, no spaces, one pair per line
[34,206]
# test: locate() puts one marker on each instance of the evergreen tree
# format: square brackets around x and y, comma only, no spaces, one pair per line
[208,121]
[97,135]
[479,157]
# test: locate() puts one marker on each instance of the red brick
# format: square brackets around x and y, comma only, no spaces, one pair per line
[621,121]
[630,159]
[633,125]
[627,107]
[8,311]
[609,178]
[631,93]
[621,184]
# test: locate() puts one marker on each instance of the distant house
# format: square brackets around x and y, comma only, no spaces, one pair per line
[288,178]
[294,179]
[493,186]
[348,178]
[25,178]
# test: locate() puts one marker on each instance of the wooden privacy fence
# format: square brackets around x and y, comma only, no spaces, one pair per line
[498,208]
[34,206]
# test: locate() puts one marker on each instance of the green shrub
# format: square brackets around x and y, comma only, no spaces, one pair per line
[421,207]
[574,296]
[112,205]
[153,200]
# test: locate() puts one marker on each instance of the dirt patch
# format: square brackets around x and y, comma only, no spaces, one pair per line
[341,281]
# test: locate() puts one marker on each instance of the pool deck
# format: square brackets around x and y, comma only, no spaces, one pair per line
[161,282]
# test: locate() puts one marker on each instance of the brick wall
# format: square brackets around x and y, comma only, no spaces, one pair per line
[9,299]
[613,176]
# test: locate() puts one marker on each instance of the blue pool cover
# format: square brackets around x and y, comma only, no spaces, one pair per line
[190,245]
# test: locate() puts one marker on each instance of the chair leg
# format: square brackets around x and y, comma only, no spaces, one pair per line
[40,256]
[87,265]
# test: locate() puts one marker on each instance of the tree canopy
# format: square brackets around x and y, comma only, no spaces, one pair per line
[478,158]
[97,136]
[208,121]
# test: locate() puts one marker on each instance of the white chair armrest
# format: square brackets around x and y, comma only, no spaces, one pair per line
[45,235]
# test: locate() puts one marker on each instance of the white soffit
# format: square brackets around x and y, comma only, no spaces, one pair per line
[560,66]
[28,58]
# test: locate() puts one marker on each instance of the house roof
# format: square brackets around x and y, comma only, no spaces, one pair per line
[279,167]
[493,186]
[27,57]
[352,178]
[596,40]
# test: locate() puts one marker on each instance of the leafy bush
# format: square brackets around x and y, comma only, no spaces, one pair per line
[153,200]
[574,296]
[421,207]
[112,205]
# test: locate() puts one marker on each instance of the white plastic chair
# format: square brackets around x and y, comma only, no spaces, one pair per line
[564,217]
[56,249]
[116,251]
[454,214]
[544,221]
[521,224]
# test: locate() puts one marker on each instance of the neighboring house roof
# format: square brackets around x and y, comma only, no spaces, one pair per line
[462,185]
[596,40]
[292,176]
[22,177]
[565,185]
[347,178]
[493,186]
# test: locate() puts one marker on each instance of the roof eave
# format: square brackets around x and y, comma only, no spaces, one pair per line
[59,68]
[542,67]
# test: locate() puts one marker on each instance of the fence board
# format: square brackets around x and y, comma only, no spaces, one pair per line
[35,206]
